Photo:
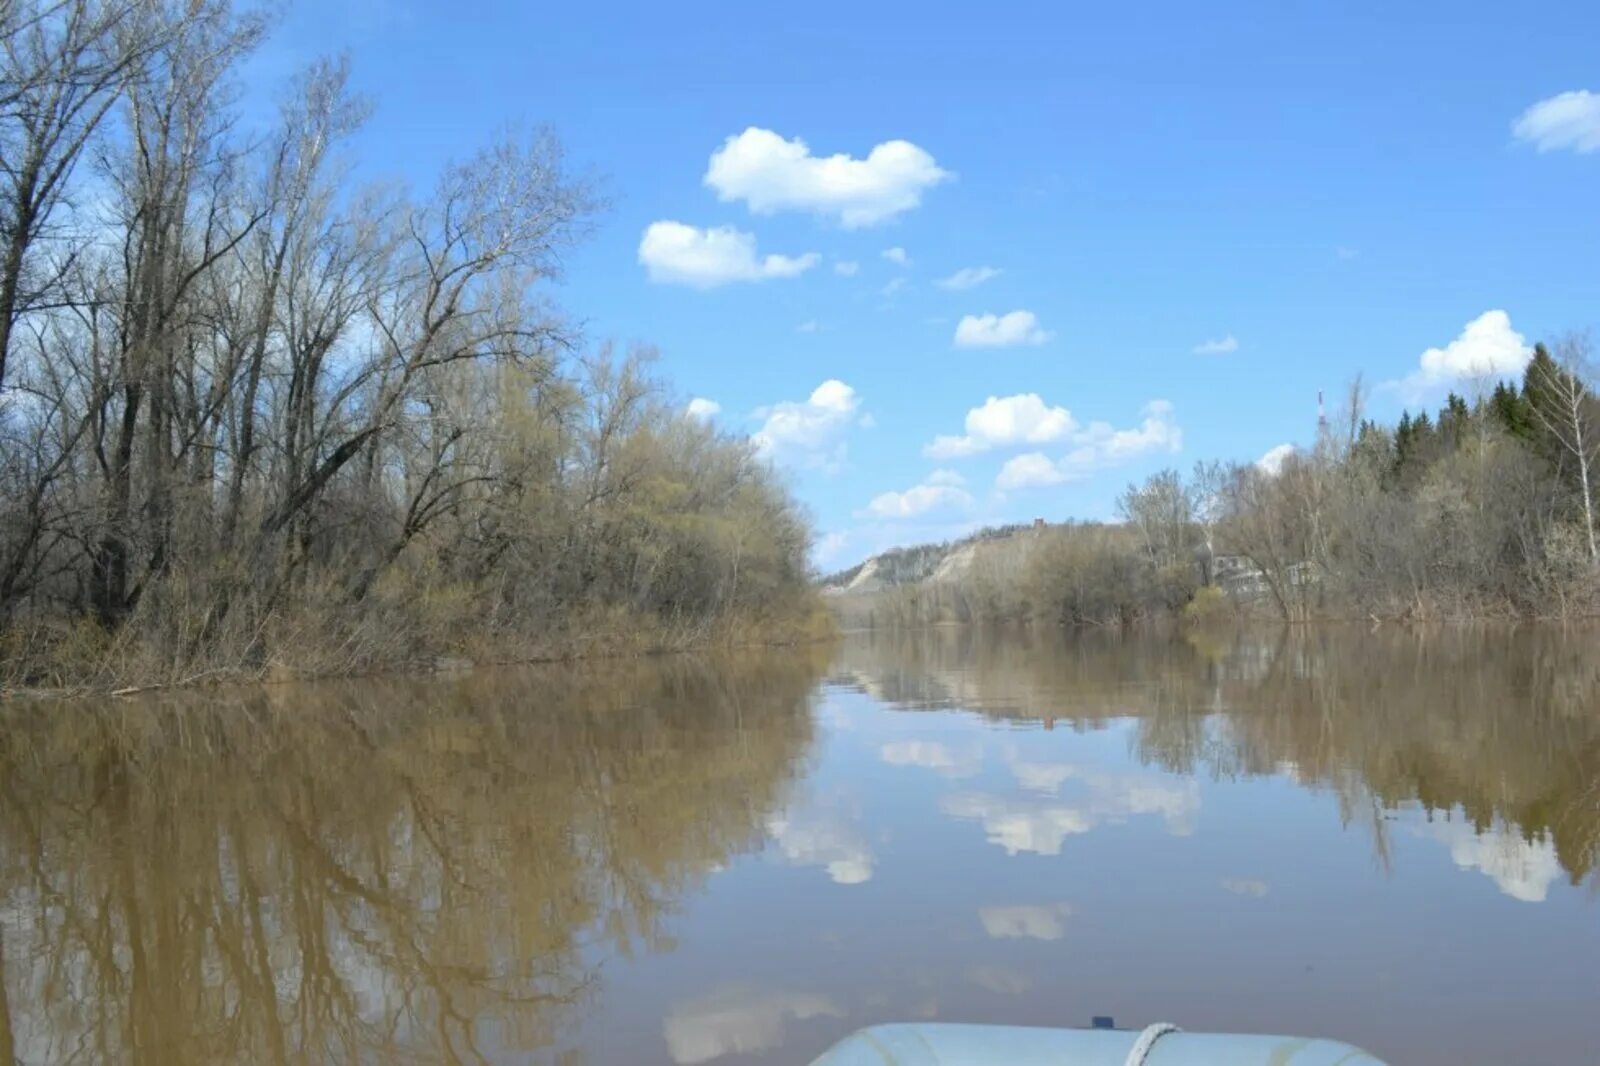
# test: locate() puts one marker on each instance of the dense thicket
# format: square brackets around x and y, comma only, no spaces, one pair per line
[1484,509]
[255,414]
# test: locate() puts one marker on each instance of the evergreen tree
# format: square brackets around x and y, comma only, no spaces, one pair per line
[1566,415]
[1538,396]
[1416,445]
[1511,411]
[1404,432]
[1374,449]
[1454,418]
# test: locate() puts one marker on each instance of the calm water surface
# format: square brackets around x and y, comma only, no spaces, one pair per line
[1382,838]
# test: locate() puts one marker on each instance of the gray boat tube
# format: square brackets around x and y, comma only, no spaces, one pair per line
[1165,1045]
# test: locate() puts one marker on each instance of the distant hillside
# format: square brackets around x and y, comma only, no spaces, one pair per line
[914,564]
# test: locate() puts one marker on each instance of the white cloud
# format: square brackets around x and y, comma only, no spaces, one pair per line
[1566,120]
[824,840]
[1520,868]
[846,268]
[895,285]
[808,326]
[1101,445]
[810,433]
[772,174]
[702,408]
[1246,887]
[1486,347]
[1002,421]
[918,500]
[1346,253]
[676,253]
[829,548]
[1272,462]
[999,331]
[738,1020]
[945,477]
[1218,346]
[968,277]
[897,255]
[1025,921]
[1027,471]
[1097,446]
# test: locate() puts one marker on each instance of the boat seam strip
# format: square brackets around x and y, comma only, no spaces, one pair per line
[1147,1040]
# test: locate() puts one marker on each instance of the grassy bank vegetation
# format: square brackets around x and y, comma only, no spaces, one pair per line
[1485,510]
[255,417]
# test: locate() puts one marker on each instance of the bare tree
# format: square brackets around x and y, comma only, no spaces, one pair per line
[63,65]
[1162,511]
[1269,522]
[1567,410]
[251,413]
[174,183]
[1208,505]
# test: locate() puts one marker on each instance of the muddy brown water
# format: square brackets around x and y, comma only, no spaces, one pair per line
[1386,838]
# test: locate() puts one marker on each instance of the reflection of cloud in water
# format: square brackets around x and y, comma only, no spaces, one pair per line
[824,840]
[836,716]
[1038,825]
[1176,804]
[1020,825]
[1042,776]
[1000,980]
[932,755]
[1039,921]
[1240,886]
[738,1020]
[1115,797]
[1522,869]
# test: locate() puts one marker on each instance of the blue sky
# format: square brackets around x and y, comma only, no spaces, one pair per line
[1203,215]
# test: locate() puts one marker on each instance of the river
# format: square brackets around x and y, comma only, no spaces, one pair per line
[1386,838]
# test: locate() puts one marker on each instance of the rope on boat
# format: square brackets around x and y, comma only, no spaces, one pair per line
[1147,1041]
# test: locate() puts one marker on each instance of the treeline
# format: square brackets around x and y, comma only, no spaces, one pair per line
[1484,509]
[255,416]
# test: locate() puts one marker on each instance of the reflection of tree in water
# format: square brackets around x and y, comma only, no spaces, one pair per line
[377,871]
[1501,726]
[1021,672]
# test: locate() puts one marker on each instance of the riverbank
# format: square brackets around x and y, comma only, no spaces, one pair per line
[53,661]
